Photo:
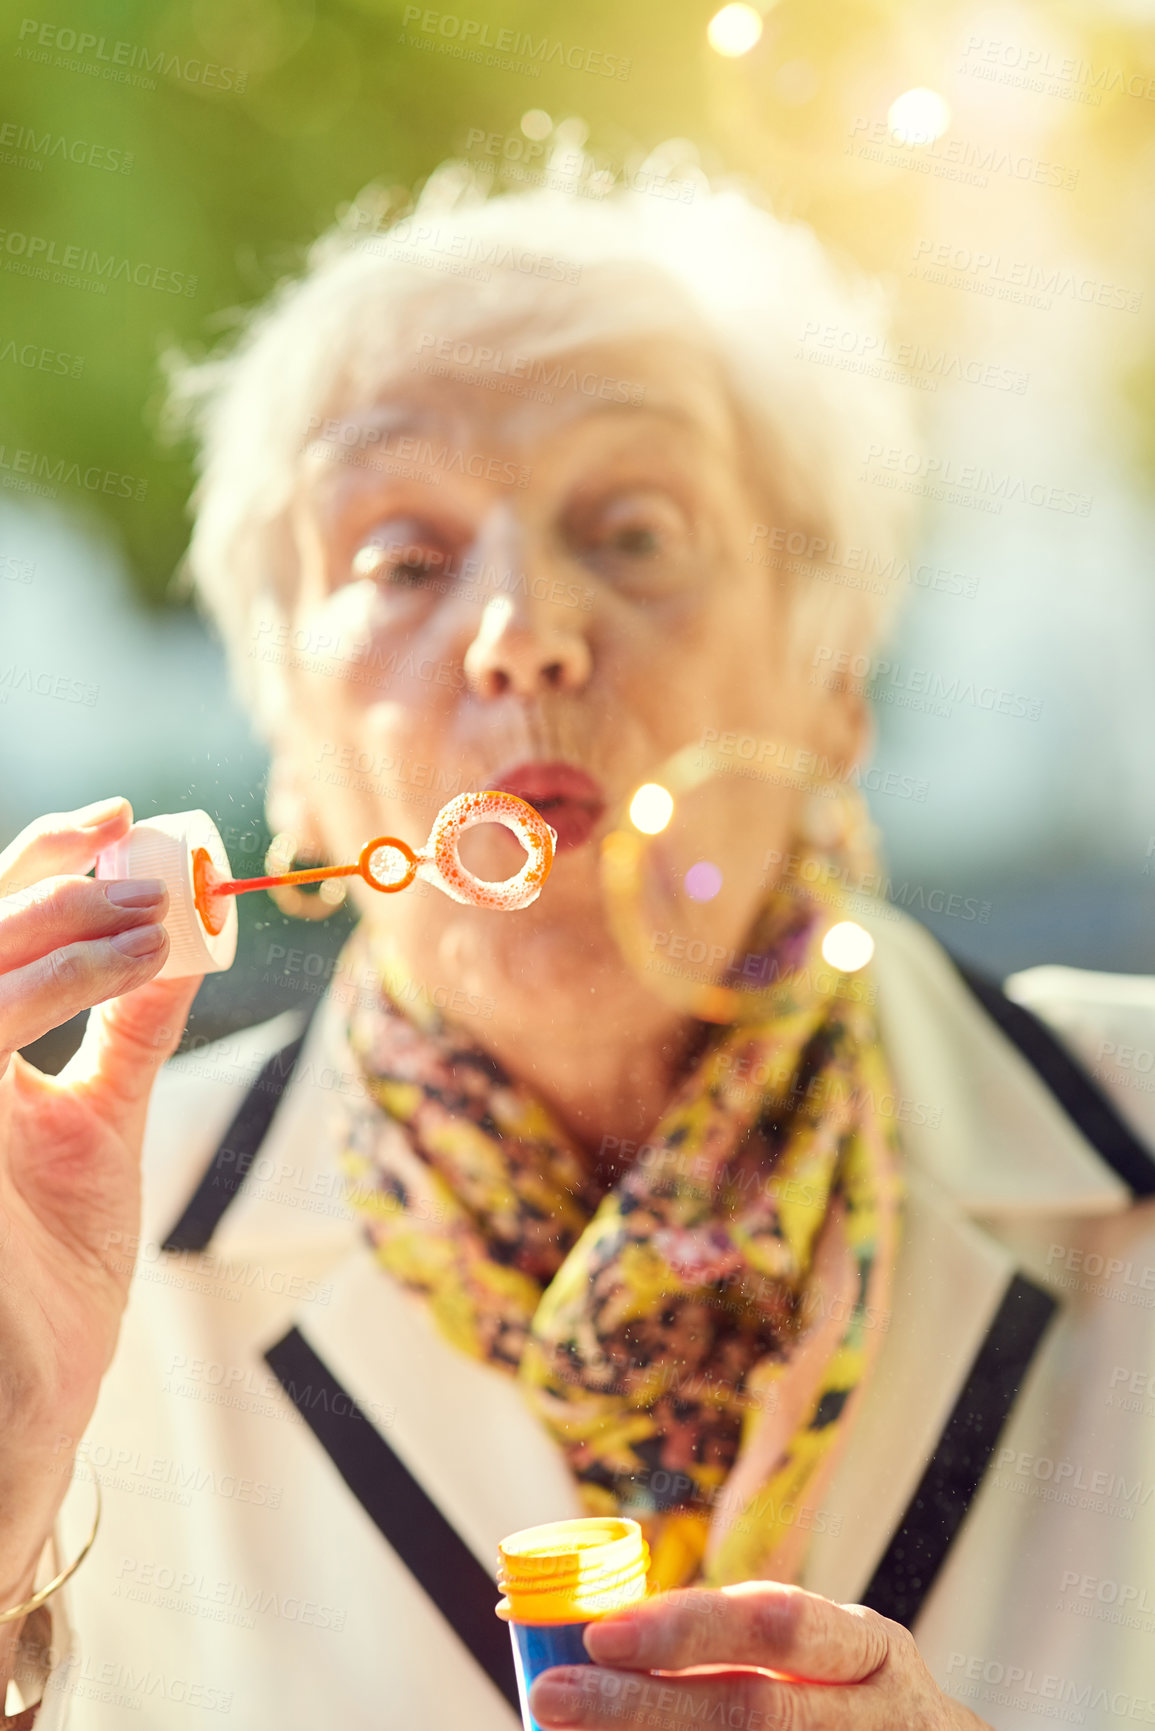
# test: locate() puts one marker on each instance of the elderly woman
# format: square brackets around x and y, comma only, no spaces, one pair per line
[835,1277]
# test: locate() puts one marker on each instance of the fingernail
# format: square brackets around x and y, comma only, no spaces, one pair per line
[100,811]
[140,941]
[614,1642]
[136,893]
[555,1703]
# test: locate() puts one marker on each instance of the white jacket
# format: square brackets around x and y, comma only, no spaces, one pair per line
[239,1579]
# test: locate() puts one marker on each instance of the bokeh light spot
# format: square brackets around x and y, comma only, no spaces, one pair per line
[536,123]
[703,881]
[651,808]
[847,947]
[734,30]
[918,116]
[571,133]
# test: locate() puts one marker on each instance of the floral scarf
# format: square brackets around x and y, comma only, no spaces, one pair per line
[682,1326]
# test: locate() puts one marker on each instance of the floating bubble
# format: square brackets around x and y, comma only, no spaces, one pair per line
[707,880]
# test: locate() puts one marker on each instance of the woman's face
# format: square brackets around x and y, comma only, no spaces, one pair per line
[548,595]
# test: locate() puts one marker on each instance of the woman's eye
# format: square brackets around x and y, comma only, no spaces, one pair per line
[638,540]
[401,559]
[632,528]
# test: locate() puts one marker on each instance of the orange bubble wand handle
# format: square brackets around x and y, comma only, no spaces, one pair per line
[241,886]
[373,865]
[208,888]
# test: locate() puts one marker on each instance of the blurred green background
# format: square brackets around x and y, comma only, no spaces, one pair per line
[229,186]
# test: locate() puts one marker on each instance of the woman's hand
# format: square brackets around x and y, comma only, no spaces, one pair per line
[839,1668]
[69,1147]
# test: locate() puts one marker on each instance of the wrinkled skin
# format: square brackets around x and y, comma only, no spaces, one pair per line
[634,624]
[837,1668]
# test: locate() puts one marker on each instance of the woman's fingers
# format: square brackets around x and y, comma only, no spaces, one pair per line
[757,1623]
[69,943]
[55,987]
[126,1042]
[65,842]
[66,910]
[845,1669]
[600,1700]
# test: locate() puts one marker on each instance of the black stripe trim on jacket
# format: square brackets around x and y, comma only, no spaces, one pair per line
[229,1166]
[1079,1096]
[921,1543]
[919,1546]
[399,1508]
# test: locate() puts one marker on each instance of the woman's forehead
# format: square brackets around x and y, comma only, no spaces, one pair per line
[484,386]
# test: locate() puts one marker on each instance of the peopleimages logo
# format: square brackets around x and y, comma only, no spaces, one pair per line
[407,447]
[413,242]
[466,37]
[949,158]
[56,472]
[1041,70]
[24,147]
[44,683]
[484,359]
[48,260]
[880,356]
[1017,279]
[813,556]
[1024,1687]
[121,62]
[38,359]
[970,482]
[875,890]
[916,687]
[795,765]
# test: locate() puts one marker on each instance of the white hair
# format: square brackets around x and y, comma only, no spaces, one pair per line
[569,260]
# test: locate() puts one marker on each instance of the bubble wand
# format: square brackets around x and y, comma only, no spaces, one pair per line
[186,851]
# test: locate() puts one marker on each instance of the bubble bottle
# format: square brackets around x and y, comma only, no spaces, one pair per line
[557,1580]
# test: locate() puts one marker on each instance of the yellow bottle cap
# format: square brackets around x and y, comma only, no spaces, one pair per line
[572,1571]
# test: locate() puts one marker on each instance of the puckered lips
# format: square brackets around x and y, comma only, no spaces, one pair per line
[568,799]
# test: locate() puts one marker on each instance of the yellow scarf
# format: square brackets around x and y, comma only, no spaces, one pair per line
[692,1336]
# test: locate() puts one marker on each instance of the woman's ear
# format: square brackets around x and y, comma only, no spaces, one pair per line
[860,725]
[847,727]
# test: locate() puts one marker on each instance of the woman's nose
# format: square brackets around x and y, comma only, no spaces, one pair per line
[523,649]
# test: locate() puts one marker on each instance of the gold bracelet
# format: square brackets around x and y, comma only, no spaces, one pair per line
[37,1599]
